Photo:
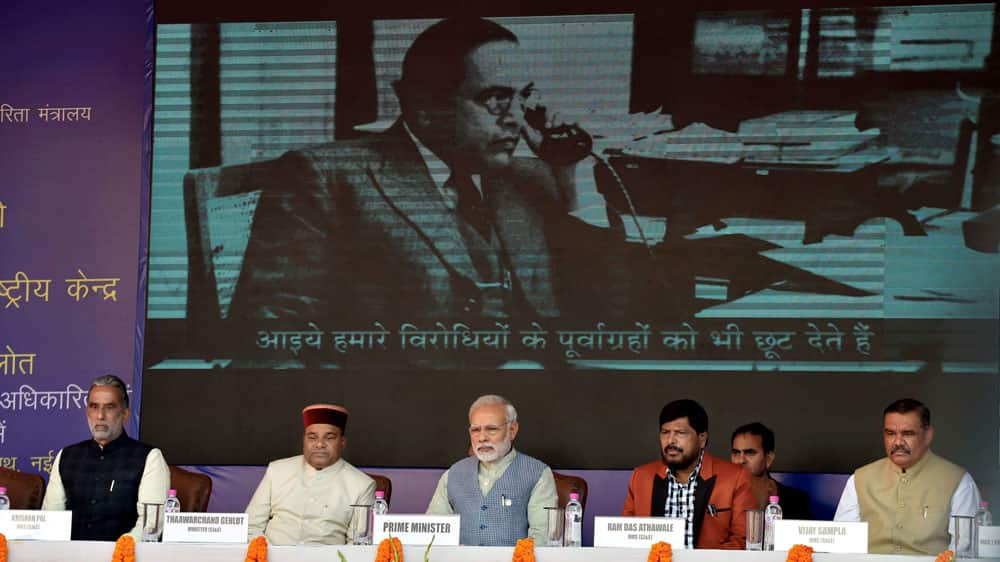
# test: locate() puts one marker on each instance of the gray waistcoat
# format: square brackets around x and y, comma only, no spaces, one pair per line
[501,518]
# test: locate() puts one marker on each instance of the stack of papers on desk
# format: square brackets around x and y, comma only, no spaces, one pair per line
[813,138]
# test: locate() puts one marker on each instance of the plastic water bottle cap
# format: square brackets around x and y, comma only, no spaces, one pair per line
[574,496]
[379,494]
[772,499]
[984,504]
[171,492]
[3,490]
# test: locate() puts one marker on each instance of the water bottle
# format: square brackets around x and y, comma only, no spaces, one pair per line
[983,516]
[772,513]
[172,505]
[381,507]
[4,500]
[574,521]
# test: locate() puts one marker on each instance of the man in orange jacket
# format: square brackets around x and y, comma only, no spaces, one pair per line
[711,494]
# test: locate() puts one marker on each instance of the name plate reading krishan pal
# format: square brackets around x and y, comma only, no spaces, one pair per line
[418,529]
[823,536]
[32,525]
[205,527]
[638,532]
[989,542]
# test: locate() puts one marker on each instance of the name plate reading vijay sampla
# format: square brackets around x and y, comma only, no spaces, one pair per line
[418,529]
[823,536]
[32,525]
[989,542]
[638,532]
[205,527]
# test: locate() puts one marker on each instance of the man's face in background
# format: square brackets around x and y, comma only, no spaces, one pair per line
[748,450]
[476,127]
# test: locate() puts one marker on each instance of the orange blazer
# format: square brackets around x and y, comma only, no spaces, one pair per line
[721,500]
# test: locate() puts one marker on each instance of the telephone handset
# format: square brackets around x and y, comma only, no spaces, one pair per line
[561,145]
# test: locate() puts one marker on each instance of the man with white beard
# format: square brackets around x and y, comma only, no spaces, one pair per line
[105,480]
[500,493]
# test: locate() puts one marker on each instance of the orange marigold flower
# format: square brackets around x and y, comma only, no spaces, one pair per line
[389,550]
[660,552]
[257,550]
[946,556]
[124,549]
[524,551]
[3,548]
[800,553]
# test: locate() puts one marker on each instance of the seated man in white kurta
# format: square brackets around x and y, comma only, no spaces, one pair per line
[307,499]
[909,497]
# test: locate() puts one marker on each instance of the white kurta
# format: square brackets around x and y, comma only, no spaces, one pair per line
[297,504]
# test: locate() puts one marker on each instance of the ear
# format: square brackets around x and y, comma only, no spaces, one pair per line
[126,414]
[769,460]
[513,430]
[930,434]
[703,439]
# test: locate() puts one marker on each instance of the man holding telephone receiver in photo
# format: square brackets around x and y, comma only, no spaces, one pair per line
[434,219]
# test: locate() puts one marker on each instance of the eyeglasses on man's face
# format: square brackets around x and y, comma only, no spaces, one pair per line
[499,100]
[488,430]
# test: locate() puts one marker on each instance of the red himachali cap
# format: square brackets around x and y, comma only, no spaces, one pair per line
[325,413]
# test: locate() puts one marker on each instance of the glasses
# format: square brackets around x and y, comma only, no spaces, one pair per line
[489,430]
[497,101]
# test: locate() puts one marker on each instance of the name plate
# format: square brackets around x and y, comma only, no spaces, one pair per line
[989,542]
[418,529]
[205,527]
[638,532]
[823,536]
[33,525]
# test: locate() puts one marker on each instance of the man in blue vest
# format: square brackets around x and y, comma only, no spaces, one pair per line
[500,493]
[106,479]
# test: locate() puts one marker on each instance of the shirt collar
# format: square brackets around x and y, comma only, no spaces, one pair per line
[694,473]
[913,470]
[112,445]
[311,471]
[501,465]
[439,171]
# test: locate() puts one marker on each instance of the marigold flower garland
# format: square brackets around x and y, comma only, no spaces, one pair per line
[3,548]
[124,549]
[946,556]
[257,550]
[660,552]
[389,550]
[524,551]
[800,553]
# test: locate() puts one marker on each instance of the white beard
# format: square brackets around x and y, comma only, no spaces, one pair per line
[497,453]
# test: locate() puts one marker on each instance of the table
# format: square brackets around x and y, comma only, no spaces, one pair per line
[85,551]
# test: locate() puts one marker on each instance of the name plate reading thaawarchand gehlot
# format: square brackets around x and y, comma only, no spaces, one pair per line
[638,532]
[989,542]
[33,525]
[418,529]
[823,536]
[205,527]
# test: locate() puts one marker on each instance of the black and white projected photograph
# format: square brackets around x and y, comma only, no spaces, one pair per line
[697,189]
[784,211]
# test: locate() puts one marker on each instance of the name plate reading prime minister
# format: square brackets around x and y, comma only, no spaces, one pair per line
[823,536]
[33,525]
[989,542]
[205,527]
[638,532]
[418,529]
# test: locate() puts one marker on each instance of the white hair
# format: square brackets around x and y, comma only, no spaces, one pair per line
[495,400]
[114,381]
